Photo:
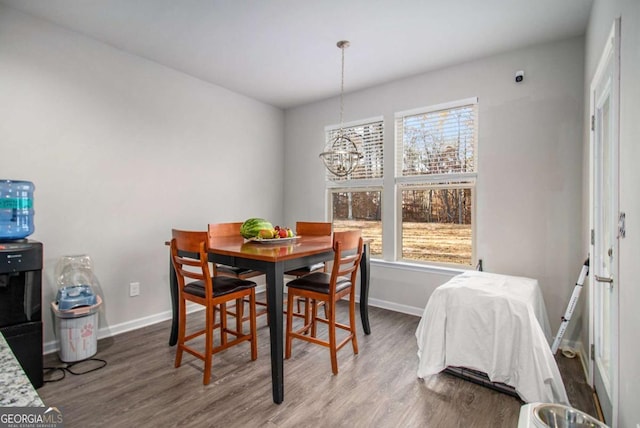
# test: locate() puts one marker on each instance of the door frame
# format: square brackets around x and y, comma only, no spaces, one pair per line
[611,48]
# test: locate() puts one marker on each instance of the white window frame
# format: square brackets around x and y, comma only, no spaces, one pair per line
[435,181]
[354,189]
[358,184]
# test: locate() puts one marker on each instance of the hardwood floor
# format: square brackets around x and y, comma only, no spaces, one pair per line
[376,388]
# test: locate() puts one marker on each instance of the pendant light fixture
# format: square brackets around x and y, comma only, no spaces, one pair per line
[341,155]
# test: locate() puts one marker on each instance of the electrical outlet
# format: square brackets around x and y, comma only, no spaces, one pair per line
[134,289]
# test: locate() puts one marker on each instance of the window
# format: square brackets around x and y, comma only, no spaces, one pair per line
[368,138]
[429,213]
[435,178]
[356,200]
[359,209]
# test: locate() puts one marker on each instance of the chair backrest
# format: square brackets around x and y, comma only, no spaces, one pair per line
[308,228]
[195,265]
[224,229]
[348,247]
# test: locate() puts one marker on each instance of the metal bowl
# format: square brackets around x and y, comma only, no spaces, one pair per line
[559,416]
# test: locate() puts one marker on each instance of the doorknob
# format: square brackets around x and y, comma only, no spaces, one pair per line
[603,279]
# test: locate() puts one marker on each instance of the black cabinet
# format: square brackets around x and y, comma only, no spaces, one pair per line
[21,304]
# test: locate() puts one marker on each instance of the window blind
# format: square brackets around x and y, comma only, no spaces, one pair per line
[368,138]
[437,141]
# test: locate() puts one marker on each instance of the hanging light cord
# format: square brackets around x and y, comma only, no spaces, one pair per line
[341,155]
[342,45]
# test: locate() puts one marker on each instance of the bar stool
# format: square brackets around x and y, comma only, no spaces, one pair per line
[328,288]
[209,292]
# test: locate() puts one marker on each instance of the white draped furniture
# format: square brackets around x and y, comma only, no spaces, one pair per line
[495,324]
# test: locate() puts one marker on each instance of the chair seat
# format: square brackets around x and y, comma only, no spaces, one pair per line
[222,285]
[319,282]
[236,270]
[305,270]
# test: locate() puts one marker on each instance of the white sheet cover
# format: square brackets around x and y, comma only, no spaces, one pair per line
[496,324]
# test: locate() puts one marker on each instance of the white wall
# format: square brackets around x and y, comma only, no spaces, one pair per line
[602,16]
[121,150]
[529,174]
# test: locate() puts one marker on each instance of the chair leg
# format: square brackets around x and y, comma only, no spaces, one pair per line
[239,314]
[181,332]
[223,323]
[332,336]
[307,312]
[313,308]
[252,325]
[288,337]
[208,349]
[352,322]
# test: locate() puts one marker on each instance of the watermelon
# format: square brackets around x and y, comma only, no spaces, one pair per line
[252,227]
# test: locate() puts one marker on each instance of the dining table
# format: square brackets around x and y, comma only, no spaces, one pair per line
[274,258]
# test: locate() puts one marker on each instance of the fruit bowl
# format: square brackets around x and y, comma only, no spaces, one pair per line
[273,241]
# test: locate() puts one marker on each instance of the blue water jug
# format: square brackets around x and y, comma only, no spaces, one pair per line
[16,209]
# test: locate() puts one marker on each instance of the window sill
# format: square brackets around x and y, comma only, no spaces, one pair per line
[418,267]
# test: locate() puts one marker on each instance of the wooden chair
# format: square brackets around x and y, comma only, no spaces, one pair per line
[233,229]
[305,228]
[230,229]
[329,288]
[209,292]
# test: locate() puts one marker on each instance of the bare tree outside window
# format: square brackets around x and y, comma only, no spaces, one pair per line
[434,174]
[359,210]
[356,199]
[436,180]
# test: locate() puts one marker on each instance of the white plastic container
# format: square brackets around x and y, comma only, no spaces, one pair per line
[77,331]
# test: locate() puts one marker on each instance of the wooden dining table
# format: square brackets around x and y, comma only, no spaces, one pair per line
[274,259]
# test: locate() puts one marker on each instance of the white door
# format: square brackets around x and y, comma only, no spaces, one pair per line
[604,225]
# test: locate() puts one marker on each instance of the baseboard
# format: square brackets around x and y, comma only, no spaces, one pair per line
[117,329]
[584,359]
[114,330]
[576,348]
[395,307]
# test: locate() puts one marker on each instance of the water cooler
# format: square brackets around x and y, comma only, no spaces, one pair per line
[20,278]
[21,303]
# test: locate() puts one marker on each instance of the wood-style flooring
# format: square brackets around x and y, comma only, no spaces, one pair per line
[139,387]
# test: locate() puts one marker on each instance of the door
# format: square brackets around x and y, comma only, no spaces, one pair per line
[604,226]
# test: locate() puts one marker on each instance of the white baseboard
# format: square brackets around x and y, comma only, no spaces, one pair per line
[135,324]
[114,330]
[395,307]
[584,359]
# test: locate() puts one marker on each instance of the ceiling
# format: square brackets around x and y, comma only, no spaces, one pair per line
[283,52]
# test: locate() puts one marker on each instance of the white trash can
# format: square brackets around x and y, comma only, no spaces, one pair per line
[77,331]
[76,308]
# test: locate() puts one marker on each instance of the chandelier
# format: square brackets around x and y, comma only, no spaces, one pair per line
[341,155]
